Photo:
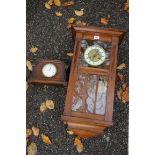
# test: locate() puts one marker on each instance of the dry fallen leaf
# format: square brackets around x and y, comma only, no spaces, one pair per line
[70,54]
[120,76]
[33,49]
[50,2]
[105,21]
[123,93]
[58,14]
[79,23]
[29,65]
[119,93]
[69,3]
[35,131]
[47,6]
[45,139]
[49,104]
[69,26]
[32,149]
[28,133]
[71,20]
[57,2]
[124,85]
[43,107]
[70,132]
[79,12]
[126,6]
[78,144]
[121,66]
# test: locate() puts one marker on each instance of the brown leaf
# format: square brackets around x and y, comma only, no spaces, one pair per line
[71,20]
[57,2]
[58,14]
[50,2]
[32,149]
[69,3]
[70,132]
[45,139]
[121,66]
[47,6]
[78,144]
[119,93]
[126,6]
[28,133]
[105,21]
[33,49]
[29,65]
[124,85]
[43,107]
[79,23]
[49,104]
[123,93]
[121,76]
[69,26]
[35,131]
[70,54]
[79,12]
[79,148]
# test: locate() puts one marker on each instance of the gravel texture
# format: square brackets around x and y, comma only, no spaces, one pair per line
[53,39]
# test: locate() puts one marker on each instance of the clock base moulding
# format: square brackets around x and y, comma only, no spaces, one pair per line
[59,77]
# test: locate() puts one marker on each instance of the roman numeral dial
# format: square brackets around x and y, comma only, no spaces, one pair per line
[94,55]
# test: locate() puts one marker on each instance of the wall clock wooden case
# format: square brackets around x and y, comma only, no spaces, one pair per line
[90,93]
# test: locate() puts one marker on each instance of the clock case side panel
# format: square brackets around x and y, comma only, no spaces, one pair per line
[72,78]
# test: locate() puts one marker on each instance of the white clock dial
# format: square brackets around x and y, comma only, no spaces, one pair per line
[49,70]
[94,55]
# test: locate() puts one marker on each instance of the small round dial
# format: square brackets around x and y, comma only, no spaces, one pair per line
[94,55]
[49,70]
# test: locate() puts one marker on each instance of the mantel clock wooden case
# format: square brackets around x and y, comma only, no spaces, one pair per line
[49,72]
[90,94]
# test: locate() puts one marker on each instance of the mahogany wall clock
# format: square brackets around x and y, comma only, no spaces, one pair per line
[49,72]
[89,102]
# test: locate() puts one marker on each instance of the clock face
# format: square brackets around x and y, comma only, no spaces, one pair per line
[49,70]
[94,55]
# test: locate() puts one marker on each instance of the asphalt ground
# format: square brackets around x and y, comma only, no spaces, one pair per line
[49,34]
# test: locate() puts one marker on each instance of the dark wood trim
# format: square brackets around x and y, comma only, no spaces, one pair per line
[66,118]
[96,71]
[109,31]
[87,115]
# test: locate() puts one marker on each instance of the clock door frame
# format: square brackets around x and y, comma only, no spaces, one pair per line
[92,33]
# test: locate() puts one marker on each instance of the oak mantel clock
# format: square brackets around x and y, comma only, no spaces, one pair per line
[49,72]
[90,93]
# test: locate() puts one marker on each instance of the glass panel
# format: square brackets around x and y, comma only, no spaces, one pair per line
[95,54]
[90,94]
